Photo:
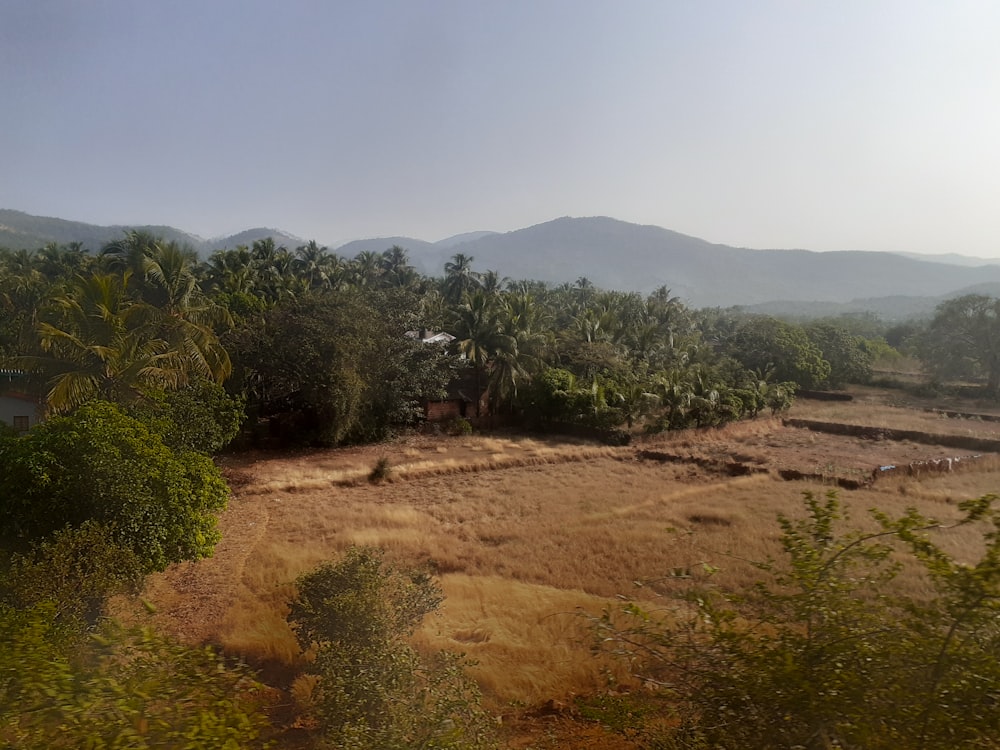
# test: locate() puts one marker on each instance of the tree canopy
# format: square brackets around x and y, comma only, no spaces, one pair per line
[98,464]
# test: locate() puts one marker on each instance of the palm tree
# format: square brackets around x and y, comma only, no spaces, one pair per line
[312,263]
[232,271]
[185,317]
[95,344]
[492,283]
[515,349]
[97,341]
[366,268]
[477,333]
[459,278]
[22,290]
[396,268]
[130,254]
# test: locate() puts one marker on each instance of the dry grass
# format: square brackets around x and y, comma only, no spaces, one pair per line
[524,534]
[874,407]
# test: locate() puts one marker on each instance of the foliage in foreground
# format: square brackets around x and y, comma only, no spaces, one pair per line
[373,689]
[100,465]
[121,689]
[826,653]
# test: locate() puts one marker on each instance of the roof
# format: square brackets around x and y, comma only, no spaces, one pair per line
[430,337]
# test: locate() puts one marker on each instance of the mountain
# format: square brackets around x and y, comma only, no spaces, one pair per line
[953,259]
[458,239]
[250,236]
[618,255]
[615,254]
[21,231]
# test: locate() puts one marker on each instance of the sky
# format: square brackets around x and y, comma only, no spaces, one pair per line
[848,125]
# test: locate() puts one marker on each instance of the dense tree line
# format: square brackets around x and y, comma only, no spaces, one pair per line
[314,343]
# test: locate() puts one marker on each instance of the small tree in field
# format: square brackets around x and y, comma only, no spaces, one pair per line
[373,689]
[826,654]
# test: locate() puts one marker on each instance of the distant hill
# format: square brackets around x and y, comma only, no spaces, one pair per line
[21,231]
[250,236]
[618,255]
[615,254]
[458,239]
[423,255]
[953,259]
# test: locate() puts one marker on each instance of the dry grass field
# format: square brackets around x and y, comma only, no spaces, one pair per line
[525,533]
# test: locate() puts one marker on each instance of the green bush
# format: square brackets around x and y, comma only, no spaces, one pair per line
[75,570]
[100,465]
[826,653]
[373,690]
[121,689]
[381,471]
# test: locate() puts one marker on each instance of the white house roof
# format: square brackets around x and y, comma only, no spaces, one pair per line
[429,337]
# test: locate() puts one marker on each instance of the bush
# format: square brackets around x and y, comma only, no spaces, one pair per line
[75,570]
[381,471]
[372,688]
[120,689]
[100,465]
[826,654]
[460,427]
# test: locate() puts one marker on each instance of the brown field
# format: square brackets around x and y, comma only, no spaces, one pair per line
[526,533]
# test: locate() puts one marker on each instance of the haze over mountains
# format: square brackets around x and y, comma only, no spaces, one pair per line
[615,254]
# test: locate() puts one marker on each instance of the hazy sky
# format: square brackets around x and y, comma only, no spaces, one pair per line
[853,124]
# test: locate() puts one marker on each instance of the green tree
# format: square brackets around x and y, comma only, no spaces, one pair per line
[848,355]
[336,366]
[963,340]
[373,689]
[770,345]
[100,465]
[200,417]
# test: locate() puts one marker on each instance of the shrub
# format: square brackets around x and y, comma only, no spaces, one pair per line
[75,570]
[372,688]
[457,427]
[100,465]
[825,653]
[381,471]
[122,688]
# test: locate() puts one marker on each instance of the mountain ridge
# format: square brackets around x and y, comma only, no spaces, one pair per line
[612,254]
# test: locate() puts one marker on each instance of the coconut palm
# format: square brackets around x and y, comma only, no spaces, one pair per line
[94,343]
[184,316]
[129,254]
[396,268]
[231,272]
[312,263]
[97,340]
[476,327]
[459,278]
